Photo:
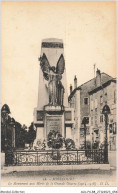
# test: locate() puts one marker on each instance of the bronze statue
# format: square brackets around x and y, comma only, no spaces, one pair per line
[53,76]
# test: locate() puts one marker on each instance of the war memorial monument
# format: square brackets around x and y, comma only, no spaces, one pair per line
[56,139]
[52,111]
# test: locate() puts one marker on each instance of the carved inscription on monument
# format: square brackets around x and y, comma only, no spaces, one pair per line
[52,45]
[53,123]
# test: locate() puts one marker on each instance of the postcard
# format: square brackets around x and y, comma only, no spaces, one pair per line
[58,96]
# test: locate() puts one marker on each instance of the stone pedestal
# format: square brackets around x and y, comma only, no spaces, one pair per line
[54,119]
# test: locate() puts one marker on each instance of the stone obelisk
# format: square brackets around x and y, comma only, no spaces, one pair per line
[52,112]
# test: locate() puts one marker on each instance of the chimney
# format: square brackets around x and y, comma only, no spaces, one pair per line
[71,89]
[75,82]
[98,78]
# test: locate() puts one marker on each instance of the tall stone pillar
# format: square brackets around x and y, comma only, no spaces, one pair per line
[52,112]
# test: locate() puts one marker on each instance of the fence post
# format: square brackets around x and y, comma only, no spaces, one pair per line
[9,158]
[67,157]
[37,158]
[77,156]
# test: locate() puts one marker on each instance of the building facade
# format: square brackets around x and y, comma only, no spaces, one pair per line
[104,94]
[81,100]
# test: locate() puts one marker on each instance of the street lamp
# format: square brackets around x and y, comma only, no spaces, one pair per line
[84,122]
[4,113]
[105,112]
[10,142]
[12,124]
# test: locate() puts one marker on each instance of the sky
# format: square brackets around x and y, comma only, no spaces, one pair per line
[88,30]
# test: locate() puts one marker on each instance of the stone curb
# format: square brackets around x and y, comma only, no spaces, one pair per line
[10,169]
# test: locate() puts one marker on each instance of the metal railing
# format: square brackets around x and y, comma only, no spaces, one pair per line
[54,157]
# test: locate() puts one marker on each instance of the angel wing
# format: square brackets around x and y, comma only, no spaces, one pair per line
[45,66]
[60,65]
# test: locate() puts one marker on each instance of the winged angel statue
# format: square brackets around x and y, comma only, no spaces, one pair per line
[54,75]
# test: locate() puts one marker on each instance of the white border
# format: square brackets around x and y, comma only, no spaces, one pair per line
[57,190]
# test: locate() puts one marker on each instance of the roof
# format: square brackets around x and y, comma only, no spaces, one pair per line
[102,86]
[73,92]
[91,84]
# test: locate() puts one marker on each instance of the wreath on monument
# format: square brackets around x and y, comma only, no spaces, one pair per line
[69,144]
[55,141]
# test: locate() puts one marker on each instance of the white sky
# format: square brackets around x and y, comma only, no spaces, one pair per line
[88,30]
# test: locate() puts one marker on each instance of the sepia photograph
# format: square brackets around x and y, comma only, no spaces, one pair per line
[58,95]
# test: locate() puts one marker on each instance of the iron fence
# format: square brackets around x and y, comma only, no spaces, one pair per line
[54,157]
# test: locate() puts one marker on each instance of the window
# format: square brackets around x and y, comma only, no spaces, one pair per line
[86,101]
[95,110]
[96,120]
[40,115]
[91,121]
[114,128]
[92,105]
[101,119]
[106,97]
[114,97]
[68,116]
[96,103]
[101,99]
[110,128]
[97,135]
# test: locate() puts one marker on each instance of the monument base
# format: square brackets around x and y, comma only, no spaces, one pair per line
[57,118]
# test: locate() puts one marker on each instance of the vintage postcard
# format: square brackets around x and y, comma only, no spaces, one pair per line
[58,95]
